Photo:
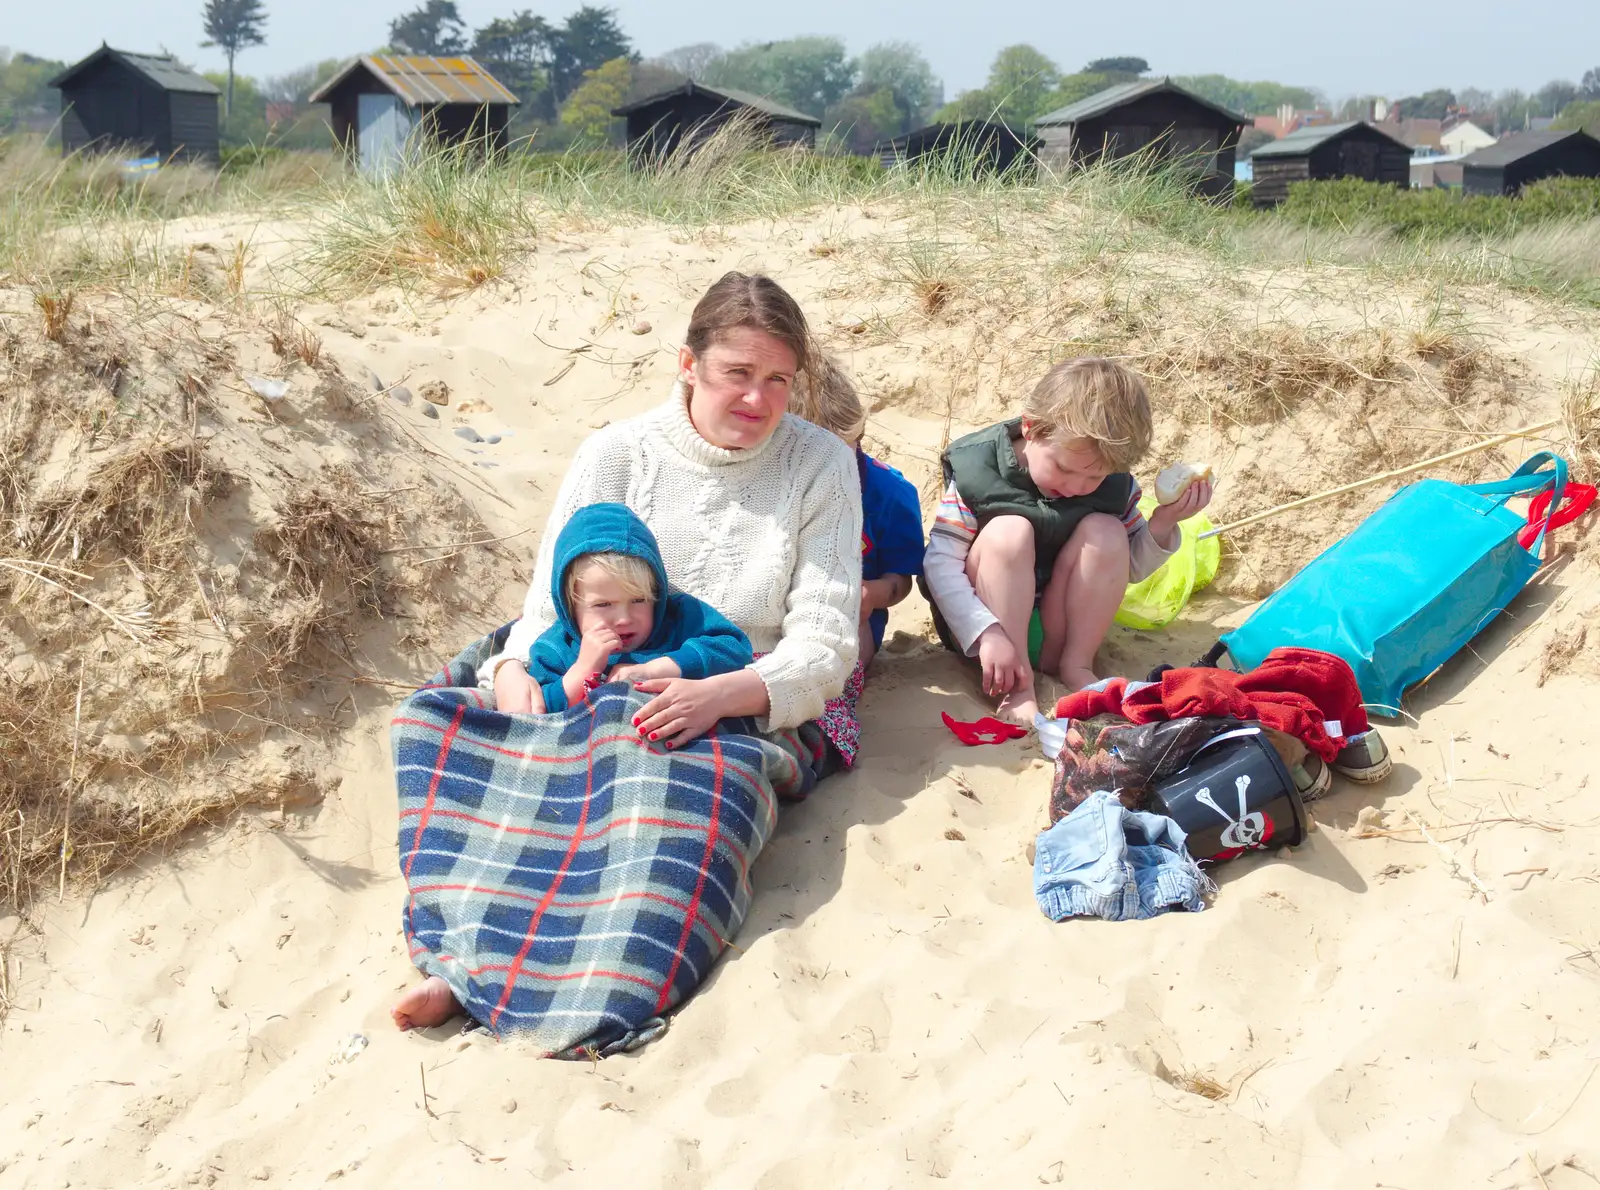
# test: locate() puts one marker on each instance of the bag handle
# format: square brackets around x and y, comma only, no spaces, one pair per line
[1527,478]
[1579,496]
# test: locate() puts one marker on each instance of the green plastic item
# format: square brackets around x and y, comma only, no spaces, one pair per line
[1156,602]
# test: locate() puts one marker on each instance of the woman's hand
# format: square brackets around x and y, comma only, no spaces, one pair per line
[661,667]
[514,690]
[682,710]
[1164,520]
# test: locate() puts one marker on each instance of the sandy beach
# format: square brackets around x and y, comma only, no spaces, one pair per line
[1407,1000]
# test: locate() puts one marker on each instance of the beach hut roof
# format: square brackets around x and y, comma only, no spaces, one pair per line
[1517,145]
[420,79]
[163,70]
[1305,140]
[1114,97]
[727,95]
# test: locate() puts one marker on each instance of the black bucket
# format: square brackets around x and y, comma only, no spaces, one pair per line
[1234,796]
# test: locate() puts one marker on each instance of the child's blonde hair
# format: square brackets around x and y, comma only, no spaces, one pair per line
[632,573]
[824,396]
[1094,399]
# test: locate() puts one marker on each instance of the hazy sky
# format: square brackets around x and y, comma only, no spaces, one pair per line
[1386,47]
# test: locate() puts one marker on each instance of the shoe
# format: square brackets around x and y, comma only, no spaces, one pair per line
[1364,759]
[1311,777]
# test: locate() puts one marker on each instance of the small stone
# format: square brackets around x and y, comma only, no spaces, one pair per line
[481,463]
[400,394]
[492,440]
[509,1106]
[435,392]
[430,411]
[261,1174]
[640,328]
[268,390]
[474,405]
[468,433]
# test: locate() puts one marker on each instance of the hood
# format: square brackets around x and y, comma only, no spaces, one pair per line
[606,529]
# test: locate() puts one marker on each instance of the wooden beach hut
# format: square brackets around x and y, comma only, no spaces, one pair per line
[1351,150]
[1509,164]
[380,101]
[1153,116]
[149,103]
[986,146]
[692,112]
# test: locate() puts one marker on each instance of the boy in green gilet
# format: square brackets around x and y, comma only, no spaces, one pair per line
[1040,527]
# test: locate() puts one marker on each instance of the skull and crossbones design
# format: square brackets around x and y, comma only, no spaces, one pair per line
[1252,829]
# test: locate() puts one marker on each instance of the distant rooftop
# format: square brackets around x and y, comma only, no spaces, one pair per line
[1306,140]
[421,79]
[727,95]
[1121,93]
[1518,145]
[163,70]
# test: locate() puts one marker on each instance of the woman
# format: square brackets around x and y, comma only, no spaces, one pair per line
[756,513]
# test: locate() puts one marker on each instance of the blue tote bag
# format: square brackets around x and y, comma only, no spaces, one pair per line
[1417,579]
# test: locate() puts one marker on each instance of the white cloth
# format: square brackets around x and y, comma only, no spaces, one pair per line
[770,537]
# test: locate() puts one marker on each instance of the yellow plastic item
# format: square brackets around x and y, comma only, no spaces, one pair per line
[1156,601]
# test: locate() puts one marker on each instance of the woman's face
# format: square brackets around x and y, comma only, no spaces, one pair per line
[739,387]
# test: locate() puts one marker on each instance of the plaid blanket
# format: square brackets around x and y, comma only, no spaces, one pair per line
[570,881]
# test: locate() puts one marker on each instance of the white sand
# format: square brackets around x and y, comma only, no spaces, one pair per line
[897,1011]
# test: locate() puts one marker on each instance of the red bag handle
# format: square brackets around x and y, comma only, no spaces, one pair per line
[1574,503]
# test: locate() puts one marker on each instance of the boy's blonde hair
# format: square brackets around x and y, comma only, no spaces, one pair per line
[1094,399]
[824,396]
[633,574]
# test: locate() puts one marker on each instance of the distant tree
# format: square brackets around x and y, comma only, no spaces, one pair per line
[808,73]
[1074,87]
[515,50]
[232,26]
[900,67]
[1554,96]
[434,28]
[248,123]
[586,41]
[690,61]
[1589,87]
[865,117]
[25,99]
[1021,79]
[1474,99]
[650,77]
[1430,105]
[1249,98]
[1133,66]
[1252,139]
[976,104]
[1584,114]
[297,85]
[588,110]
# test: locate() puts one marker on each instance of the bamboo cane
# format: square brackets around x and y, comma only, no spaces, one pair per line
[1486,444]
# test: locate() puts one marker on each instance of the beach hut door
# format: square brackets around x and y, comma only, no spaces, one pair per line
[385,125]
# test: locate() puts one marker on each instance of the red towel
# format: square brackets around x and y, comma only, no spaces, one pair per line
[1294,690]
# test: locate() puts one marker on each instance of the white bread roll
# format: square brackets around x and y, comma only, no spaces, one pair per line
[1174,481]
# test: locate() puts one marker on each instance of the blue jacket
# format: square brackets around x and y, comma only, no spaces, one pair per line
[692,633]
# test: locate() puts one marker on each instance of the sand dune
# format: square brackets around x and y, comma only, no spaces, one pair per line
[896,1012]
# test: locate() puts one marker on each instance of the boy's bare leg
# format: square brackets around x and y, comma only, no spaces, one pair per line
[1000,565]
[1082,597]
[428,1004]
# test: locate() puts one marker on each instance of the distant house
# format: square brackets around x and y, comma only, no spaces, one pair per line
[149,103]
[1463,137]
[1147,116]
[380,101]
[1509,164]
[1352,150]
[978,144]
[692,112]
[1289,120]
[1416,131]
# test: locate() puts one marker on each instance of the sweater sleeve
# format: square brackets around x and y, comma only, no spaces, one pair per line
[547,665]
[945,568]
[820,625]
[1145,554]
[712,643]
[593,477]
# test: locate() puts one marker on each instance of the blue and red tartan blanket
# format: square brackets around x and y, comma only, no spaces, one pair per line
[570,881]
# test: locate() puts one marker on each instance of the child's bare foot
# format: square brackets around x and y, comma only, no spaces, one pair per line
[1075,679]
[428,1004]
[1020,706]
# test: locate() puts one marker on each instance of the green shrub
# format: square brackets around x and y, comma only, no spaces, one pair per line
[238,158]
[1348,203]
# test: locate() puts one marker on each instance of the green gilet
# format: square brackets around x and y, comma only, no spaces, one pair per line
[984,467]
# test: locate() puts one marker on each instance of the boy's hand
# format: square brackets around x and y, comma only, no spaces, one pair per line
[1005,668]
[661,667]
[1164,520]
[595,650]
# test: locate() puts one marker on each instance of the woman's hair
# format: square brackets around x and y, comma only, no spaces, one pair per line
[1095,399]
[746,299]
[824,396]
[632,573]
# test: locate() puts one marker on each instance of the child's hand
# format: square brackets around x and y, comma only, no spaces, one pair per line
[1164,520]
[1004,668]
[661,667]
[515,693]
[595,650]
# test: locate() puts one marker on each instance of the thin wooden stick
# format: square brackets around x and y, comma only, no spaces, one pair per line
[1487,443]
[72,784]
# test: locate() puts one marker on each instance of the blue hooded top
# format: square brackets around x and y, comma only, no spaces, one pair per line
[687,630]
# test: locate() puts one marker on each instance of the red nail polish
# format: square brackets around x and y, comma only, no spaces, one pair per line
[652,735]
[669,747]
[636,721]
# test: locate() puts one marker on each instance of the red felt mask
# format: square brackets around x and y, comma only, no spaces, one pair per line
[987,730]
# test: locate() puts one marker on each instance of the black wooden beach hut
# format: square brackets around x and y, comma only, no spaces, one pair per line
[984,146]
[1352,150]
[379,101]
[659,123]
[149,103]
[1153,116]
[1509,164]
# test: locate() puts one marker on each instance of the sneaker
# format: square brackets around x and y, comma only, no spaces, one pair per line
[1364,759]
[1311,777]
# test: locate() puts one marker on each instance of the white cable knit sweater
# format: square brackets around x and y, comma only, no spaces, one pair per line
[770,537]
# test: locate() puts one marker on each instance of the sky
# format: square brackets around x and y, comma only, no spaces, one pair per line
[1357,47]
